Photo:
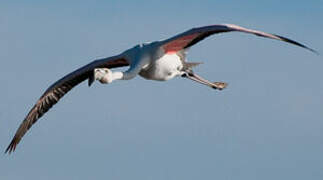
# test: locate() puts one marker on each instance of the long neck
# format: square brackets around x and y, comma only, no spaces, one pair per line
[117,75]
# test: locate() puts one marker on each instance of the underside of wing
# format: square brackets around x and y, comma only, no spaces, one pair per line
[56,91]
[195,35]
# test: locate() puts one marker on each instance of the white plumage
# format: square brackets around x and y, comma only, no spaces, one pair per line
[159,60]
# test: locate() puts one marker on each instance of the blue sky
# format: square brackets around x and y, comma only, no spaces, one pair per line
[266,125]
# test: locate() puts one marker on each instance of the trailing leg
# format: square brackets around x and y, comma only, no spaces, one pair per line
[194,77]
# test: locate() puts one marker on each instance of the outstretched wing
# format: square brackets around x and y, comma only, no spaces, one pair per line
[56,91]
[195,35]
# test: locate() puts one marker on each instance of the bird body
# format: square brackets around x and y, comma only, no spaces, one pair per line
[158,60]
[150,62]
[163,68]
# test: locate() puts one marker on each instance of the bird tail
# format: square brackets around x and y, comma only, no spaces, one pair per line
[190,65]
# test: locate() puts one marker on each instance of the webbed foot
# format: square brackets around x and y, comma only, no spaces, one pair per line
[219,85]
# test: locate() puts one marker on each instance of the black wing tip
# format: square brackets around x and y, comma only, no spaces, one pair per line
[297,44]
[12,146]
[314,51]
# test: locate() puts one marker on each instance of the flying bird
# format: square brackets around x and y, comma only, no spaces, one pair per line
[159,60]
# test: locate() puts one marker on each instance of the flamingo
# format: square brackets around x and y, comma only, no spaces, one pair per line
[159,60]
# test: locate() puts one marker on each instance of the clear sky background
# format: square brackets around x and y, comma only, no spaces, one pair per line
[267,125]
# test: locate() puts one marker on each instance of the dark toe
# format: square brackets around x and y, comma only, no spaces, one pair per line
[219,85]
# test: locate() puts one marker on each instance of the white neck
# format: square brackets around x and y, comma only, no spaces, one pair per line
[117,75]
